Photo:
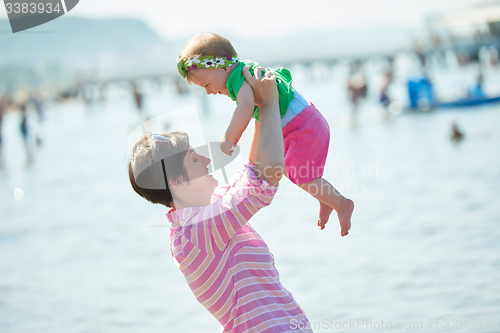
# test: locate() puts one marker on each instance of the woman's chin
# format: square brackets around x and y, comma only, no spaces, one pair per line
[216,182]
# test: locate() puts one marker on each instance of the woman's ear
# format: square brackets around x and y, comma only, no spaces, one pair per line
[177,185]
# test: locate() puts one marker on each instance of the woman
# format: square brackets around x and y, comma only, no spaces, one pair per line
[227,265]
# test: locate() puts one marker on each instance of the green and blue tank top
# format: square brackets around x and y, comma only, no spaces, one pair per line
[283,77]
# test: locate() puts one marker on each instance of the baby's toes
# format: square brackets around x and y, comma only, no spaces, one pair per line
[322,222]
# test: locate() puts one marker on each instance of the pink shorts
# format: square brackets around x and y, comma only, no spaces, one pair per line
[306,139]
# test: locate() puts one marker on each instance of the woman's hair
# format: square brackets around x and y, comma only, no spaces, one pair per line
[145,168]
[207,44]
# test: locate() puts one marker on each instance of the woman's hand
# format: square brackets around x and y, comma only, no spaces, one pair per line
[265,89]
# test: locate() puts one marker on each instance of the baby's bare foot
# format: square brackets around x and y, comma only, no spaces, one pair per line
[324,215]
[344,214]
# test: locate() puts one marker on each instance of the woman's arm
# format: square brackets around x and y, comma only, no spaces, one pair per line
[214,226]
[269,160]
[252,154]
[241,117]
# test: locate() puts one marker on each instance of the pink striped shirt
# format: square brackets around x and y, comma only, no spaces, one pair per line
[227,265]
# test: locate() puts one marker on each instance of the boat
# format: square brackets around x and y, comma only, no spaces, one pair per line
[469,101]
[421,97]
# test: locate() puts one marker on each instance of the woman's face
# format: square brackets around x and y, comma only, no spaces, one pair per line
[199,178]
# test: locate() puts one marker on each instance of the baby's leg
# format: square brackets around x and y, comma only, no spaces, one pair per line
[329,199]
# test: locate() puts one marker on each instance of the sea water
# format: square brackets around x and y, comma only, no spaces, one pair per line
[81,252]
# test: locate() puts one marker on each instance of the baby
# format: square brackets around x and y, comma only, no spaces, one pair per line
[210,61]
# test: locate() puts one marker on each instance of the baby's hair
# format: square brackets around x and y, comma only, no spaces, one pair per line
[207,44]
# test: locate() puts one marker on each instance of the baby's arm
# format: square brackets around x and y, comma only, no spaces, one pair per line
[241,117]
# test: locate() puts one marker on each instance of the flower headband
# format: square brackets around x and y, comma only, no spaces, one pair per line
[209,61]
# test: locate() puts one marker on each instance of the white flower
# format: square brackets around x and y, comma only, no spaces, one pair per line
[235,59]
[208,63]
[219,62]
[191,60]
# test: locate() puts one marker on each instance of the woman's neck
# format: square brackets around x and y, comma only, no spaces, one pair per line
[194,200]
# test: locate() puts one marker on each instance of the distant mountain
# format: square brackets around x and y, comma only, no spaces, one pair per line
[66,46]
[102,48]
[73,37]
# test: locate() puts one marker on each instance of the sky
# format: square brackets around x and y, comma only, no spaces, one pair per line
[182,19]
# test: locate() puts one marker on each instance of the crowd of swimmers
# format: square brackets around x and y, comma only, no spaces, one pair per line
[30,106]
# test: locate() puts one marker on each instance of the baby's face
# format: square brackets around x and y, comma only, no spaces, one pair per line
[212,79]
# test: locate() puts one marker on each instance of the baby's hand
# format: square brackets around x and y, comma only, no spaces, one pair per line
[226,145]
